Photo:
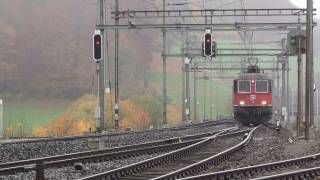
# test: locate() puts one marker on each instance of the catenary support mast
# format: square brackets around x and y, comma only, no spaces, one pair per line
[164,69]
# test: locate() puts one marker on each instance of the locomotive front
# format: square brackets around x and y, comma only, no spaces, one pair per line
[252,97]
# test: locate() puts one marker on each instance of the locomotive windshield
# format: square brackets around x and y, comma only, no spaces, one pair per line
[244,87]
[261,86]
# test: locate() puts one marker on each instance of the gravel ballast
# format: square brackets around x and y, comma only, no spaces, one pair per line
[21,151]
[268,145]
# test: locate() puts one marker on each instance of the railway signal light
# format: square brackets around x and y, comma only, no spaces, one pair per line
[97,47]
[293,40]
[207,44]
[294,36]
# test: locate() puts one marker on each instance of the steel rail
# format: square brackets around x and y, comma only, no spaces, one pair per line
[251,170]
[225,120]
[97,158]
[155,161]
[310,173]
[71,138]
[206,163]
[118,152]
[122,154]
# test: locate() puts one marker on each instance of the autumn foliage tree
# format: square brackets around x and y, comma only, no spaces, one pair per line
[40,132]
[174,115]
[136,113]
[152,105]
[77,119]
[133,116]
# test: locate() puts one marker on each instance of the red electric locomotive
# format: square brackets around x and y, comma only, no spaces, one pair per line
[252,97]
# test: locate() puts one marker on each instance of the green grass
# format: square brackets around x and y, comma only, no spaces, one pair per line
[34,116]
[31,113]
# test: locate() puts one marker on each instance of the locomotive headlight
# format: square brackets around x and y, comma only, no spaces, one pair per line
[264,102]
[241,102]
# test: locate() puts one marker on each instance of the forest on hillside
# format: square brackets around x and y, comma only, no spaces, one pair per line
[45,48]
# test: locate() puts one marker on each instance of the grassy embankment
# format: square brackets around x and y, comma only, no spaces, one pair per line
[25,114]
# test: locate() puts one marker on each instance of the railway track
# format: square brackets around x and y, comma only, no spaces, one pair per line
[101,155]
[304,174]
[38,148]
[110,134]
[200,150]
[268,168]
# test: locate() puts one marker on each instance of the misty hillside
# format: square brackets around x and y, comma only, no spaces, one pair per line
[45,47]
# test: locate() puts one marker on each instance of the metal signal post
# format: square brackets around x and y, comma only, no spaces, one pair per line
[99,57]
[195,103]
[164,69]
[1,118]
[309,69]
[116,62]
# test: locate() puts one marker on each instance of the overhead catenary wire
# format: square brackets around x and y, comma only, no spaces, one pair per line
[243,36]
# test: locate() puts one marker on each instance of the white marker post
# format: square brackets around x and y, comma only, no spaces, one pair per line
[1,118]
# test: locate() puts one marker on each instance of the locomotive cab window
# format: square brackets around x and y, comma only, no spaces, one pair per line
[262,86]
[244,87]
